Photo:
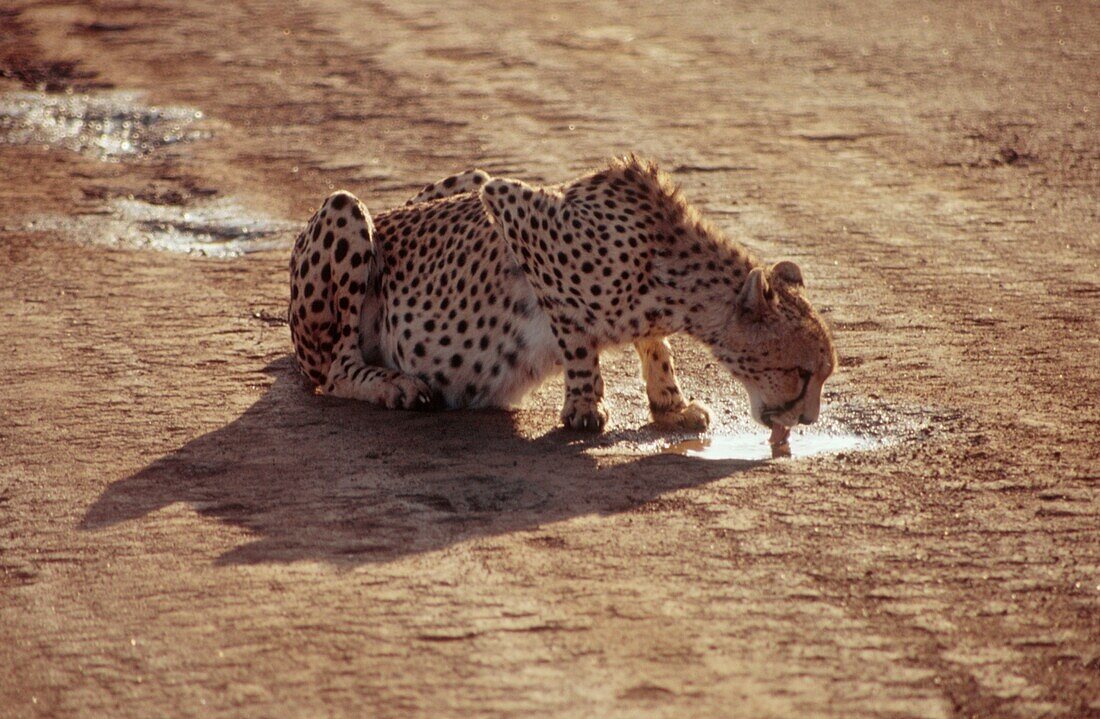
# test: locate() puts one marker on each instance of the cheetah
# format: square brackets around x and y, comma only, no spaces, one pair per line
[479,288]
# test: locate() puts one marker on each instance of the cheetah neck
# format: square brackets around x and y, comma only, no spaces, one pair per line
[700,277]
[697,271]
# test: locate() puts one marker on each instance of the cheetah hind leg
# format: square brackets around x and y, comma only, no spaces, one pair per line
[666,402]
[339,266]
[378,385]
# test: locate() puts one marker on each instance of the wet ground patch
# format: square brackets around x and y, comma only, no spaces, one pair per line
[218,228]
[108,125]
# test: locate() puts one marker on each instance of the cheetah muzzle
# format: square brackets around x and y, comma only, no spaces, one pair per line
[479,288]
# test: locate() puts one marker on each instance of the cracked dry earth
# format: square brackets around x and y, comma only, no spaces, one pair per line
[184,531]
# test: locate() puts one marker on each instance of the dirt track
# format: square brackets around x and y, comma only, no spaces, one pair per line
[185,532]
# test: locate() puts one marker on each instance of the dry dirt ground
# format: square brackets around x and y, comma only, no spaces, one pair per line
[184,531]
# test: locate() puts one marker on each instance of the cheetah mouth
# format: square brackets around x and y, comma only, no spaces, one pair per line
[780,435]
[768,416]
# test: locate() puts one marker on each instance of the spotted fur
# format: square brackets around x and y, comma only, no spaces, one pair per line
[469,181]
[479,288]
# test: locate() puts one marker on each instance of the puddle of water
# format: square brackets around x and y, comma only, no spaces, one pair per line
[754,446]
[855,425]
[222,228]
[108,125]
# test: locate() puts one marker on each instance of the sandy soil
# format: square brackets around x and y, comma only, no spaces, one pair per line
[185,532]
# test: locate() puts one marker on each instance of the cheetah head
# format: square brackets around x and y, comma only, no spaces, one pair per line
[778,347]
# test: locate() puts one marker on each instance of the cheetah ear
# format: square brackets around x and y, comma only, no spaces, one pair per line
[788,272]
[755,294]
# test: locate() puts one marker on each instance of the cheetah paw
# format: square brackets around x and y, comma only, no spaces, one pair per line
[693,417]
[584,414]
[405,392]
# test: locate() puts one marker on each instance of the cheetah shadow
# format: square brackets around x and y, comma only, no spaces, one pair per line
[320,479]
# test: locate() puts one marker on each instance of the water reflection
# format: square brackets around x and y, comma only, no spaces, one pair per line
[754,445]
[108,125]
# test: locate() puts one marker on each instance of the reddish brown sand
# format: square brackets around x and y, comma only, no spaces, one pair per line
[184,531]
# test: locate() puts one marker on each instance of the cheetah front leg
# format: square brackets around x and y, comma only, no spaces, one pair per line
[666,401]
[583,408]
